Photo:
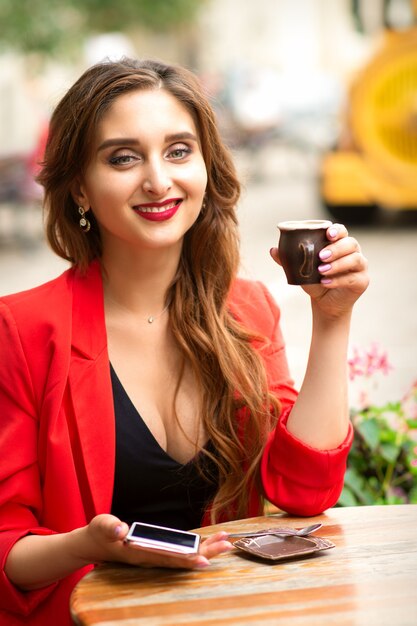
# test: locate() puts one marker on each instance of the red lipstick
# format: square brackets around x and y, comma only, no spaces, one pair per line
[158,211]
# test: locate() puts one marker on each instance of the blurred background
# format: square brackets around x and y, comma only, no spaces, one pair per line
[317,99]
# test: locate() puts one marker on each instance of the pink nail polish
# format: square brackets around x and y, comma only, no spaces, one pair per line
[326,281]
[333,232]
[325,254]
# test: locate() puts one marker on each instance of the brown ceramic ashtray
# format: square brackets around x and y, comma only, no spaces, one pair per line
[275,548]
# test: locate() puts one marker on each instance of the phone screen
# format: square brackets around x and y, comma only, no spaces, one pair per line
[163,538]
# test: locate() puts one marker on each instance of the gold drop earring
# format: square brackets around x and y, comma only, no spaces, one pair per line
[84,222]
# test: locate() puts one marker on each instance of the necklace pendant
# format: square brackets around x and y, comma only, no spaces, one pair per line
[151,319]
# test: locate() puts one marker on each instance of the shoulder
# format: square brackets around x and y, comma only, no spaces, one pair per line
[253,305]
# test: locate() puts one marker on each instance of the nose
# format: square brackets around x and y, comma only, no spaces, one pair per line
[156,179]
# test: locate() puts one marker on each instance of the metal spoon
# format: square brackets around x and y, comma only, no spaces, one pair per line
[300,532]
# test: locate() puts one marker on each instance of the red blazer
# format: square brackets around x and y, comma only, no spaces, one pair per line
[57,435]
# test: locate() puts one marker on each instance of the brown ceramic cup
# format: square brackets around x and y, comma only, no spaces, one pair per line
[299,245]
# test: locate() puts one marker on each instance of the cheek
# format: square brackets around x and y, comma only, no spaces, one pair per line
[105,189]
[197,179]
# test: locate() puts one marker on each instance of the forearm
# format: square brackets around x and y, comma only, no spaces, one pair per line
[320,415]
[36,561]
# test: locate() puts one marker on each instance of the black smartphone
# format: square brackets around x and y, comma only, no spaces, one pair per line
[162,538]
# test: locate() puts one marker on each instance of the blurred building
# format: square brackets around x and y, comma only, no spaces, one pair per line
[304,41]
[289,35]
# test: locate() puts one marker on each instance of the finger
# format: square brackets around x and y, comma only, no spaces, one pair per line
[274,254]
[216,544]
[148,557]
[109,527]
[216,537]
[356,282]
[114,529]
[342,247]
[217,548]
[120,530]
[350,263]
[336,231]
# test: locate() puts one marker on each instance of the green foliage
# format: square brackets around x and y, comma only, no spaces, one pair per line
[382,464]
[50,26]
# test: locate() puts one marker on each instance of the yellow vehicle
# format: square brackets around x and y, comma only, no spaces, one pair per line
[375,164]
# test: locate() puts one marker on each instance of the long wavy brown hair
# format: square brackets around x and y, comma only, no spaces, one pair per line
[229,372]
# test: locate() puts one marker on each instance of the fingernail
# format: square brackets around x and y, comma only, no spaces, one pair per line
[326,281]
[118,530]
[201,563]
[223,534]
[324,268]
[325,254]
[332,232]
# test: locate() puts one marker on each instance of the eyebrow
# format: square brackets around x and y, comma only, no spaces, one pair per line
[129,141]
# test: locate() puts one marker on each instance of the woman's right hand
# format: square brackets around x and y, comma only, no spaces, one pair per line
[103,540]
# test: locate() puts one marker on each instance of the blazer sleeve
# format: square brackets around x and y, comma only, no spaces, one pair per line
[20,490]
[295,477]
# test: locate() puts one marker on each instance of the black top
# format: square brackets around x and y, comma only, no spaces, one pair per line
[149,485]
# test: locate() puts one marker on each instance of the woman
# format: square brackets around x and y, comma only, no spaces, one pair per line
[147,382]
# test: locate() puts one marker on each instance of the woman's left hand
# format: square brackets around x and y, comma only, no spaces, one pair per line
[344,272]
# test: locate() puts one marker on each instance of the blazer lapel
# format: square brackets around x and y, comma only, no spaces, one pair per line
[91,393]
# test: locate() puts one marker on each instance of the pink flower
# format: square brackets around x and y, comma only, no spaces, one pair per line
[366,363]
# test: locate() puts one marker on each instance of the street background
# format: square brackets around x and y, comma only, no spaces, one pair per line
[278,73]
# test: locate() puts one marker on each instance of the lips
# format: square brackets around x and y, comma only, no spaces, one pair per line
[158,211]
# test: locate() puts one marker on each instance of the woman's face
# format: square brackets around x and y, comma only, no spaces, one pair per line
[146,180]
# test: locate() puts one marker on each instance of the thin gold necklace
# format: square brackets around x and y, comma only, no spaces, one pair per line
[150,319]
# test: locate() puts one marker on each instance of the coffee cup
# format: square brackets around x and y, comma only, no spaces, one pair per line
[299,245]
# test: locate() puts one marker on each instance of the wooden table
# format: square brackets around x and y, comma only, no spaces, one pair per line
[369,578]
